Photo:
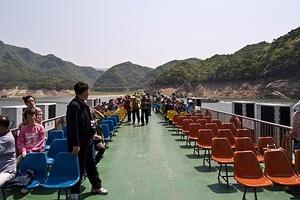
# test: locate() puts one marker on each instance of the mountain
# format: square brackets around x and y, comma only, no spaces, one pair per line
[125,74]
[21,67]
[262,62]
[152,75]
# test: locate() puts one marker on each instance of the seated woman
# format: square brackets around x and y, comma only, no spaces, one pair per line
[7,152]
[32,135]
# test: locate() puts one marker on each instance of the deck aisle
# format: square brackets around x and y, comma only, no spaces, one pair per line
[150,162]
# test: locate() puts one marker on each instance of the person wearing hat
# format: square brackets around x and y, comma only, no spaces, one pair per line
[135,110]
[295,134]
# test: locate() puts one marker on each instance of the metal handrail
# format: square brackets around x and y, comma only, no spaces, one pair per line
[44,122]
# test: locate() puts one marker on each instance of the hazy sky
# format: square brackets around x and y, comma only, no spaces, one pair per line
[103,33]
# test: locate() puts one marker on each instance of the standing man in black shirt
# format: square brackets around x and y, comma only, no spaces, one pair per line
[80,134]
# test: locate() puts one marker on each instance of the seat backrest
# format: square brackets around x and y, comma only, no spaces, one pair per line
[193,129]
[246,165]
[213,127]
[117,117]
[229,126]
[64,129]
[244,144]
[36,162]
[65,165]
[194,118]
[172,114]
[105,131]
[169,113]
[218,122]
[180,120]
[205,137]
[199,115]
[221,148]
[263,142]
[208,118]
[109,123]
[114,121]
[277,164]
[175,118]
[186,124]
[202,122]
[184,113]
[54,134]
[227,134]
[245,133]
[57,145]
[297,161]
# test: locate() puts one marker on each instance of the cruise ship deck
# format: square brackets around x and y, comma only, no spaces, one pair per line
[151,162]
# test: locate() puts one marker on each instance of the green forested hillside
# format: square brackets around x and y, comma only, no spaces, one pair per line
[22,67]
[258,62]
[123,75]
[152,75]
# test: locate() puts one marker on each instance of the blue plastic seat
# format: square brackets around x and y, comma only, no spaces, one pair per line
[64,129]
[110,125]
[37,163]
[106,133]
[64,173]
[118,118]
[53,134]
[114,120]
[57,145]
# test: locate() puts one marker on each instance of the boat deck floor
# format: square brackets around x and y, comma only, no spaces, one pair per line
[151,162]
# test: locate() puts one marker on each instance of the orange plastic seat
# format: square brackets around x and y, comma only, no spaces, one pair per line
[207,117]
[246,144]
[213,127]
[202,122]
[205,142]
[229,126]
[179,122]
[222,153]
[218,122]
[263,142]
[175,119]
[227,134]
[279,169]
[185,127]
[248,173]
[245,133]
[194,118]
[193,133]
[297,161]
[184,113]
[199,115]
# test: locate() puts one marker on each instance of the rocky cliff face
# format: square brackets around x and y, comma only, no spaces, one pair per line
[284,89]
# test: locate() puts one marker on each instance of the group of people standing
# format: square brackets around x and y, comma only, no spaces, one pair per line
[138,108]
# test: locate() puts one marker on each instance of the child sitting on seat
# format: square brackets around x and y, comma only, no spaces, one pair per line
[32,135]
[7,152]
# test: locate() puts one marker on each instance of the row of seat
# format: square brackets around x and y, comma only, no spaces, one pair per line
[64,172]
[222,143]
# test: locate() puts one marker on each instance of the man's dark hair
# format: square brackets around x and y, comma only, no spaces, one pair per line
[4,121]
[80,87]
[25,98]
